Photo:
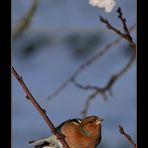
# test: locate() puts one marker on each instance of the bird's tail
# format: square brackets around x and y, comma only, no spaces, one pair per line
[48,142]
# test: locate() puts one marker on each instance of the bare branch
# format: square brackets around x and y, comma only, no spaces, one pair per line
[39,109]
[25,21]
[87,103]
[126,34]
[97,90]
[86,64]
[129,139]
[87,87]
[123,20]
[107,87]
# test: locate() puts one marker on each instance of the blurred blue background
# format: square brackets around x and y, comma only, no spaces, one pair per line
[62,35]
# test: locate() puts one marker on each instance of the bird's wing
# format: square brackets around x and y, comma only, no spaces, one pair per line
[49,142]
[52,141]
[98,140]
[75,120]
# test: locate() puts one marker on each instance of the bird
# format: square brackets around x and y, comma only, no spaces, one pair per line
[78,133]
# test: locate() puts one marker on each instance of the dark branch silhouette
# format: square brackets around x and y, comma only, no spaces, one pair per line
[102,90]
[39,109]
[126,34]
[106,88]
[128,137]
[86,64]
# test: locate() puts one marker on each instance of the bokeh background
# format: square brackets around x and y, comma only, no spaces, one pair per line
[62,35]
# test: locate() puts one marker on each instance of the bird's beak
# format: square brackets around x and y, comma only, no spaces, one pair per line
[98,121]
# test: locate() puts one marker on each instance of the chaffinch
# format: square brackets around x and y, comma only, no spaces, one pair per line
[78,133]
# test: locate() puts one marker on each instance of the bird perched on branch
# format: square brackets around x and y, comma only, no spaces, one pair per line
[78,133]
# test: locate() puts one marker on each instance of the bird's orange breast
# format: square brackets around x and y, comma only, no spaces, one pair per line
[75,139]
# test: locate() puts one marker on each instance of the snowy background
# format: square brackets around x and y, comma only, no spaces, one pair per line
[63,34]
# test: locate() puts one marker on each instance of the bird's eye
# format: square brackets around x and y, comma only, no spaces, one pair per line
[90,121]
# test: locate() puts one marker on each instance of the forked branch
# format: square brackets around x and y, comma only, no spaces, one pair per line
[126,34]
[86,64]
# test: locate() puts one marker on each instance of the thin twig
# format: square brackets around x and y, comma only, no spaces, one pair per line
[123,20]
[39,109]
[86,64]
[128,137]
[111,81]
[126,34]
[87,103]
[25,21]
[98,90]
[107,87]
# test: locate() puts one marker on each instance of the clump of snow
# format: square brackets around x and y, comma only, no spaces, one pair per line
[107,4]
